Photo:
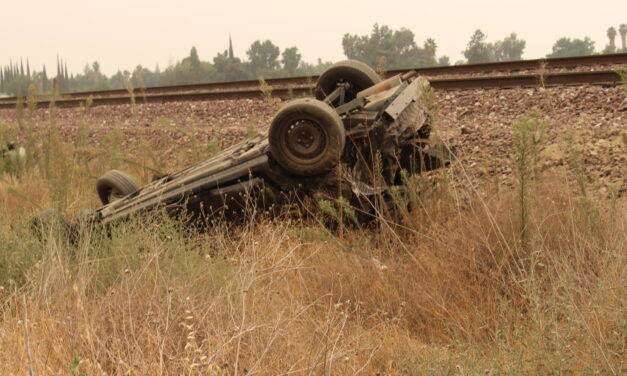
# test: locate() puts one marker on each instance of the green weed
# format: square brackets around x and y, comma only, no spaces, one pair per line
[213,146]
[266,90]
[131,92]
[528,137]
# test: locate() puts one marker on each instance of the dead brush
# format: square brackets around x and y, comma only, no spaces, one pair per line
[266,90]
[528,137]
[128,85]
[241,300]
[443,291]
[111,146]
[28,131]
[56,161]
[139,78]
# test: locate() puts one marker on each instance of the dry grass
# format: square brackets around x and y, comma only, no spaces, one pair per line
[452,291]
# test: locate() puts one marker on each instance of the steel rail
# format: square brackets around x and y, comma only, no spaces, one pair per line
[606,78]
[507,66]
[533,64]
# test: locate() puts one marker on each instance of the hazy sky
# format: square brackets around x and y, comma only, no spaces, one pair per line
[120,34]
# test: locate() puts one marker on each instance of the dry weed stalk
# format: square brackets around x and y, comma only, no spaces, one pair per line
[442,288]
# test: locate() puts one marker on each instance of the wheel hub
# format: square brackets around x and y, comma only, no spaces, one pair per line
[305,139]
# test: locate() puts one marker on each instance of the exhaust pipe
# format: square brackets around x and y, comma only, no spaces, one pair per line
[381,86]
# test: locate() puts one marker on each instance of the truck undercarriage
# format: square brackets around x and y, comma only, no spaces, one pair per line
[353,140]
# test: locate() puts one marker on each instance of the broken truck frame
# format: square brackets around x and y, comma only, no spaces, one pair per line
[356,127]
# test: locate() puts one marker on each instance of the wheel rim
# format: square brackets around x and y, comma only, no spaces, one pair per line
[304,140]
[353,75]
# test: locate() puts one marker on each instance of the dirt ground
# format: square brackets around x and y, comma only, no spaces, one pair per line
[467,285]
[478,123]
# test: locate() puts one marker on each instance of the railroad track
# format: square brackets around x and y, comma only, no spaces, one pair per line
[298,86]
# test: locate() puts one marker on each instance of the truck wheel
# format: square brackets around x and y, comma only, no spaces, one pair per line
[307,137]
[359,75]
[115,185]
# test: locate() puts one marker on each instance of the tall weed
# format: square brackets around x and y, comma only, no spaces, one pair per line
[528,137]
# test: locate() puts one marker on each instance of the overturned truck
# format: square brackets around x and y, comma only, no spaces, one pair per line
[352,140]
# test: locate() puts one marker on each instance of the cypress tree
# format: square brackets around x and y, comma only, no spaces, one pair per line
[611,34]
[21,67]
[231,55]
[66,79]
[27,68]
[61,83]
[6,78]
[58,77]
[44,80]
[194,60]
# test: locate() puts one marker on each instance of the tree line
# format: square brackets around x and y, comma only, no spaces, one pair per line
[384,48]
[479,50]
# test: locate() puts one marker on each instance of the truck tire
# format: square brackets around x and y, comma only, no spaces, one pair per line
[115,185]
[307,137]
[359,75]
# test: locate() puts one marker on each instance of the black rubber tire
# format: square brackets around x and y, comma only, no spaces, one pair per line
[117,183]
[358,74]
[323,133]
